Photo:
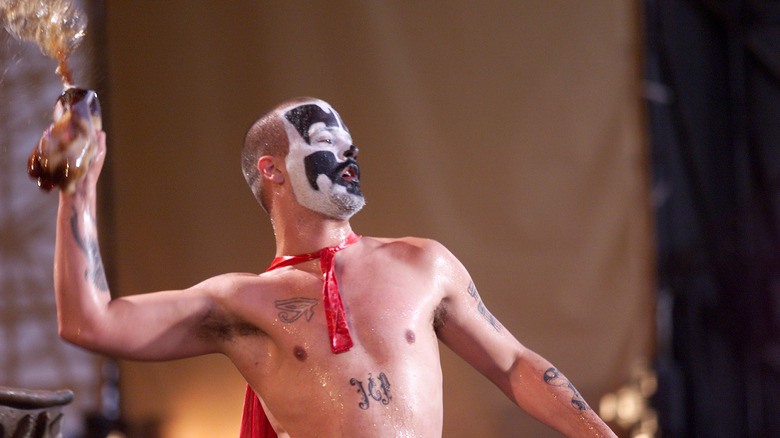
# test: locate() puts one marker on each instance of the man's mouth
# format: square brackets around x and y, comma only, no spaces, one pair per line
[351,173]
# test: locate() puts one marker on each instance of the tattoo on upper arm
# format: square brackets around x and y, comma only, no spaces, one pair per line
[378,390]
[472,291]
[555,378]
[95,271]
[293,309]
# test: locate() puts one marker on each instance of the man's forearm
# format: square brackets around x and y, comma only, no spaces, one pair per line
[80,282]
[545,393]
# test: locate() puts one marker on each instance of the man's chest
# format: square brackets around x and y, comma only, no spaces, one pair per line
[381,307]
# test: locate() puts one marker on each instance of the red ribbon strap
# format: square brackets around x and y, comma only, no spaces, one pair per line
[340,339]
[254,423]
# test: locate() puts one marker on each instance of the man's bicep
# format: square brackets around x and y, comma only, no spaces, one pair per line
[475,300]
[470,330]
[157,326]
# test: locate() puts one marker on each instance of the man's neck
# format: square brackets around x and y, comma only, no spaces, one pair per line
[308,232]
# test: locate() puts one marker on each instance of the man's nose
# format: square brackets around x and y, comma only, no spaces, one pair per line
[352,152]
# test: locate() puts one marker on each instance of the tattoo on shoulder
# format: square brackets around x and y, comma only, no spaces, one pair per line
[377,390]
[555,378]
[293,309]
[472,291]
[95,271]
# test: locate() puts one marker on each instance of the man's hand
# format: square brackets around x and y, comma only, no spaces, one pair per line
[69,145]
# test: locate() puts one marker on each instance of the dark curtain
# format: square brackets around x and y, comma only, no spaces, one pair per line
[713,93]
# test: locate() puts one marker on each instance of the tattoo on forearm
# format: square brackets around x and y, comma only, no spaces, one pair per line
[555,378]
[291,310]
[472,291]
[377,390]
[95,271]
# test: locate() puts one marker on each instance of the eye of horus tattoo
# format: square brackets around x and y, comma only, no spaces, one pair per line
[294,308]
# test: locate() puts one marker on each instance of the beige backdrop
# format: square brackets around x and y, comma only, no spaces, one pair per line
[509,131]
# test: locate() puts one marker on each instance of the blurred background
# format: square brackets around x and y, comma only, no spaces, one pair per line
[607,170]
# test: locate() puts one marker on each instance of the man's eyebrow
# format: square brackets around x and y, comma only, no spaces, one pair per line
[318,128]
[329,129]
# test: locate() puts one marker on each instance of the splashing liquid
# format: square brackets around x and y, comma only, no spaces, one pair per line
[66,149]
[54,25]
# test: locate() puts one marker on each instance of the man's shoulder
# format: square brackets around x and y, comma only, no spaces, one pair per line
[409,248]
[401,243]
[228,283]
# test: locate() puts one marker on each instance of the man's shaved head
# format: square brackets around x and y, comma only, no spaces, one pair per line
[319,157]
[267,136]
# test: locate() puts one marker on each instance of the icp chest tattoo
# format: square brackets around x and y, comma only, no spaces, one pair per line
[374,389]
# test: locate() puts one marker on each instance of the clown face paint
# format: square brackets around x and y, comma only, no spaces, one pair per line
[321,162]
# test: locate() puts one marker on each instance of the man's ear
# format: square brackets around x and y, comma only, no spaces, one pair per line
[269,169]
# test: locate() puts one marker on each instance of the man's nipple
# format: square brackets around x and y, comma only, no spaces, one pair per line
[300,353]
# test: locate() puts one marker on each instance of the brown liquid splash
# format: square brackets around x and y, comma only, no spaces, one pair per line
[67,147]
[54,25]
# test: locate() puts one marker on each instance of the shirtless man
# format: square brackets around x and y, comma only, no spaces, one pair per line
[373,369]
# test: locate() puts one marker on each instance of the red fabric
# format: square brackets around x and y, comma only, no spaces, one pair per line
[254,422]
[340,340]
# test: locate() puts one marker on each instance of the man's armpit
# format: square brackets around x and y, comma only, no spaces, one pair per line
[220,327]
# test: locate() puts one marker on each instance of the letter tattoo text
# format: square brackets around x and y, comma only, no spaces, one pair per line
[377,390]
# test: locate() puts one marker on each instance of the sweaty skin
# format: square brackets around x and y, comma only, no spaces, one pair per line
[388,384]
[399,295]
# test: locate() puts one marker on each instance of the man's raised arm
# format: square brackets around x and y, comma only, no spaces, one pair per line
[529,380]
[155,326]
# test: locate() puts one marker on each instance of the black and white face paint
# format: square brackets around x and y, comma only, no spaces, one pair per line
[321,162]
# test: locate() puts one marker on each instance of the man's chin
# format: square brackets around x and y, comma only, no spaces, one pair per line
[347,205]
[341,206]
